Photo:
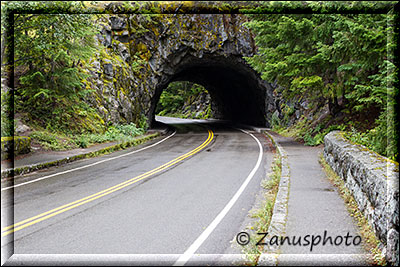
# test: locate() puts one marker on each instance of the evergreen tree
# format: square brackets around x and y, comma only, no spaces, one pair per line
[342,59]
[50,53]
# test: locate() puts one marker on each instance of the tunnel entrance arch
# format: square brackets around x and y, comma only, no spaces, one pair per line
[237,93]
[207,49]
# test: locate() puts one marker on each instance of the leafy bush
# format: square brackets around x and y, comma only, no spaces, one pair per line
[381,139]
[7,123]
[143,124]
[275,122]
[311,136]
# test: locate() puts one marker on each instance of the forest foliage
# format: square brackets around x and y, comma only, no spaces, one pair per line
[50,55]
[345,60]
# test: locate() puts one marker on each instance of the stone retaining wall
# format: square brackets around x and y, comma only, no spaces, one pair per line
[373,181]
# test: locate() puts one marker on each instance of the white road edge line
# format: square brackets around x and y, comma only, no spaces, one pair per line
[199,241]
[89,165]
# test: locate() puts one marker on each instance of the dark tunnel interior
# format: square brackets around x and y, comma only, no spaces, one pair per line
[233,86]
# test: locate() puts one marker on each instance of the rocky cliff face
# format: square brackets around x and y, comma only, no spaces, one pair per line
[140,54]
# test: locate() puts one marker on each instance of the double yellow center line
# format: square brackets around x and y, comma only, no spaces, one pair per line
[51,213]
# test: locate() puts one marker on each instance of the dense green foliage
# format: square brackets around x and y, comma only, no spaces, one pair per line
[50,54]
[51,80]
[340,59]
[7,127]
[179,100]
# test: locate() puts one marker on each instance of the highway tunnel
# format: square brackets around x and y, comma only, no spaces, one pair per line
[237,92]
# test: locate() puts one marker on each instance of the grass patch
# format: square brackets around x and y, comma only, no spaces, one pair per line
[60,141]
[263,214]
[371,242]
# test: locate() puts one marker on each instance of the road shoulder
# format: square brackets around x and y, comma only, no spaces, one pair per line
[314,208]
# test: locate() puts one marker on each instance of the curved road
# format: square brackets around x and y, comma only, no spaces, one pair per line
[195,204]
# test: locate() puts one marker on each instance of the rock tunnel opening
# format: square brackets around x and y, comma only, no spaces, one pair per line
[237,92]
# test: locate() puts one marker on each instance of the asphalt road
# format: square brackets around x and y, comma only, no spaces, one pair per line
[162,213]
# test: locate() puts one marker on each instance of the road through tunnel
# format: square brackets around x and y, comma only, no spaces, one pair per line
[237,93]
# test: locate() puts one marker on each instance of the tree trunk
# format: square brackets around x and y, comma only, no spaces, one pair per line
[333,106]
[344,99]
